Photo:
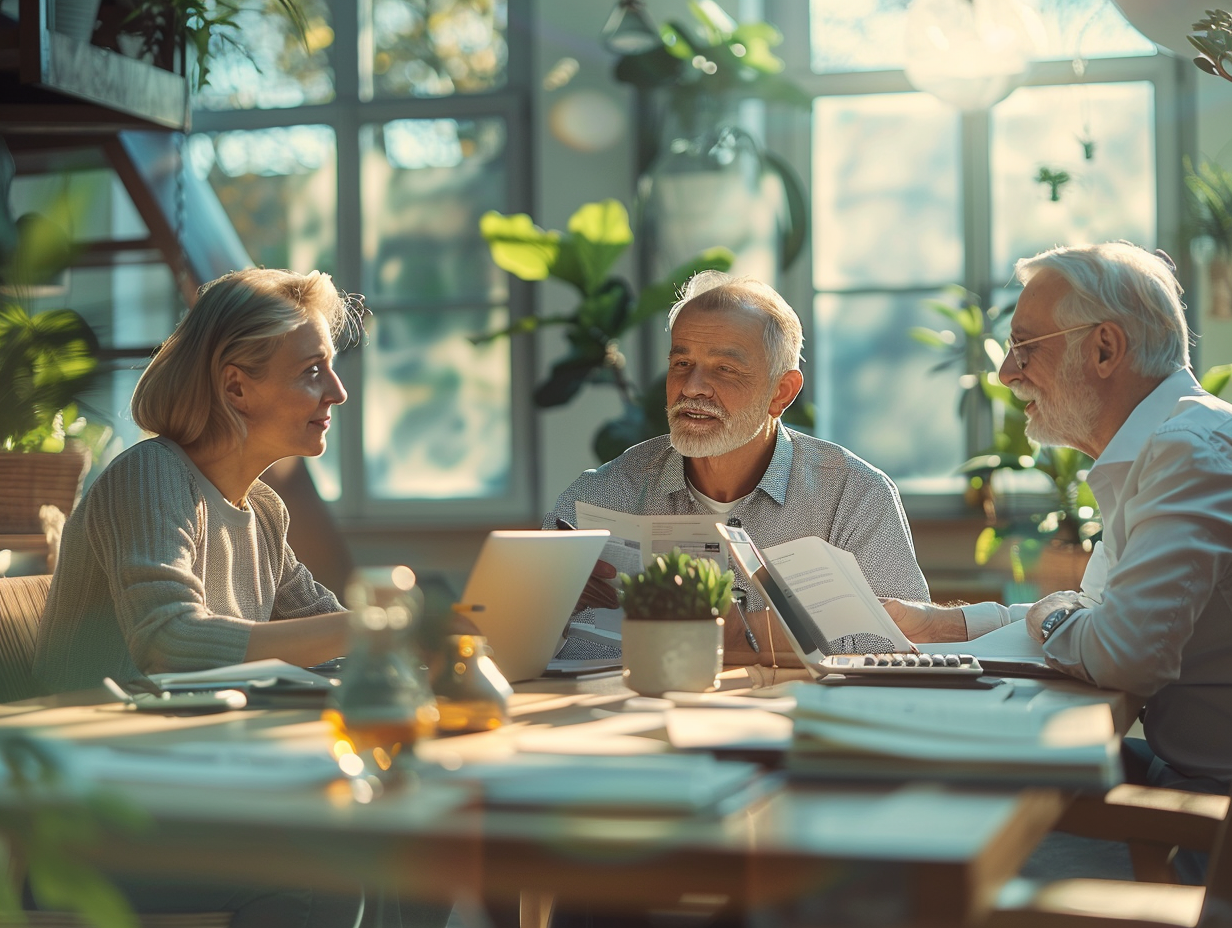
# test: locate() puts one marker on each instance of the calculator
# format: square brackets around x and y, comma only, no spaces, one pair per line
[902,665]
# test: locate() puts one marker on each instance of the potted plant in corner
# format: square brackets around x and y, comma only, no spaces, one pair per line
[47,360]
[672,635]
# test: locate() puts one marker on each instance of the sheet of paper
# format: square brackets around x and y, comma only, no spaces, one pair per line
[637,539]
[251,672]
[828,582]
[1009,642]
[656,784]
[713,729]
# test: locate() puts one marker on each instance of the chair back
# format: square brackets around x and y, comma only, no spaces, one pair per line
[21,608]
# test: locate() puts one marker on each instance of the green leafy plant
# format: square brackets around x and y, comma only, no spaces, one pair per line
[52,822]
[1072,514]
[970,348]
[708,58]
[162,24]
[712,54]
[1216,379]
[47,359]
[1209,188]
[583,257]
[677,586]
[1213,40]
[1055,181]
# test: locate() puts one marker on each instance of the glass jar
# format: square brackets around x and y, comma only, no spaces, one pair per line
[472,694]
[384,703]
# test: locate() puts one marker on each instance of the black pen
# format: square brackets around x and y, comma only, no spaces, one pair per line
[739,597]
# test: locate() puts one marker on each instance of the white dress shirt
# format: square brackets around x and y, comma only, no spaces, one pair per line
[1158,592]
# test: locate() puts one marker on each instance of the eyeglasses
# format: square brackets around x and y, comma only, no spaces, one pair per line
[1022,357]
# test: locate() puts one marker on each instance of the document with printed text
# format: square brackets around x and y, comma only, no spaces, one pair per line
[636,540]
[829,583]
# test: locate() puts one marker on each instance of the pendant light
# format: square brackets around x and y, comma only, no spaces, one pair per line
[970,53]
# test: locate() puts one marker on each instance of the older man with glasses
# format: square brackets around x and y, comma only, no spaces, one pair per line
[1100,352]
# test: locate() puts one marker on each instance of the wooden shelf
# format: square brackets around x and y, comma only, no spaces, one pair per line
[51,82]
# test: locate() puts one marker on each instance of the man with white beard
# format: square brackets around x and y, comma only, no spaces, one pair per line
[733,368]
[1100,350]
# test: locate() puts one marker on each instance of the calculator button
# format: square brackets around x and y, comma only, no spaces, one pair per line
[951,660]
[870,661]
[966,659]
[896,660]
[911,660]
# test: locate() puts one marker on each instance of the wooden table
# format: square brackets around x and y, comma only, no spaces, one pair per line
[910,854]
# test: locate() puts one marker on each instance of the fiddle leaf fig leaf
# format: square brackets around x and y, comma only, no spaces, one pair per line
[986,545]
[1215,380]
[519,246]
[601,233]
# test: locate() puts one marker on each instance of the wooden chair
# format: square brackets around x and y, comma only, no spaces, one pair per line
[21,607]
[1147,817]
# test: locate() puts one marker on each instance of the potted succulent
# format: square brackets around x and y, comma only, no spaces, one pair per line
[672,636]
[47,360]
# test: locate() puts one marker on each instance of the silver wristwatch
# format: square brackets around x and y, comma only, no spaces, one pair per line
[1054,619]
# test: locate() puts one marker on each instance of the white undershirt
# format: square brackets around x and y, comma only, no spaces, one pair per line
[719,509]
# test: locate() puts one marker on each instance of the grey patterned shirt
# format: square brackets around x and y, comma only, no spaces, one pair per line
[812,487]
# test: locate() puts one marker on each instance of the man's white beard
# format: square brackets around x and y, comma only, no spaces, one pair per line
[1067,419]
[737,431]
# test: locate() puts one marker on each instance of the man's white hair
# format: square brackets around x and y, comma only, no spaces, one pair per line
[782,335]
[1122,283]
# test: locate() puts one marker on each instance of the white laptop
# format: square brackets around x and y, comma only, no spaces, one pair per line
[528,583]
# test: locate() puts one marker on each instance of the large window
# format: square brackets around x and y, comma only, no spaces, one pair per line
[371,154]
[910,195]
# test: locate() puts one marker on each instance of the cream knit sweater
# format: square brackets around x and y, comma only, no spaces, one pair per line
[158,572]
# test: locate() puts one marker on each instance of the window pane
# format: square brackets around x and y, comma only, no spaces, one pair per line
[867,35]
[426,183]
[279,189]
[876,393]
[1111,196]
[276,68]
[1089,29]
[857,35]
[885,213]
[436,407]
[90,205]
[129,306]
[434,48]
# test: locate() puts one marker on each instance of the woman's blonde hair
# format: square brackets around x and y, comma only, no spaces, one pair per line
[238,319]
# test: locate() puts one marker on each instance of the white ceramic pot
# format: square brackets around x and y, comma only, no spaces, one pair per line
[664,655]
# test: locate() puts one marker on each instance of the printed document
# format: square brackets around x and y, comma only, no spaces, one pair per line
[828,582]
[636,540]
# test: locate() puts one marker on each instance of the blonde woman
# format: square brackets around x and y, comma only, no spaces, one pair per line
[177,559]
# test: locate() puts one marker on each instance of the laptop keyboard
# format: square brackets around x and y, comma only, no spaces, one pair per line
[901,664]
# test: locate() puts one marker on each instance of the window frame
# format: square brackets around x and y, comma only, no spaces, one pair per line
[346,114]
[789,133]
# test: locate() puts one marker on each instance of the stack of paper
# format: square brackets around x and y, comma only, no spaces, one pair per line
[664,784]
[904,733]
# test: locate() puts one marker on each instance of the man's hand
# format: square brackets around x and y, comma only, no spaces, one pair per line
[598,593]
[1065,599]
[926,621]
